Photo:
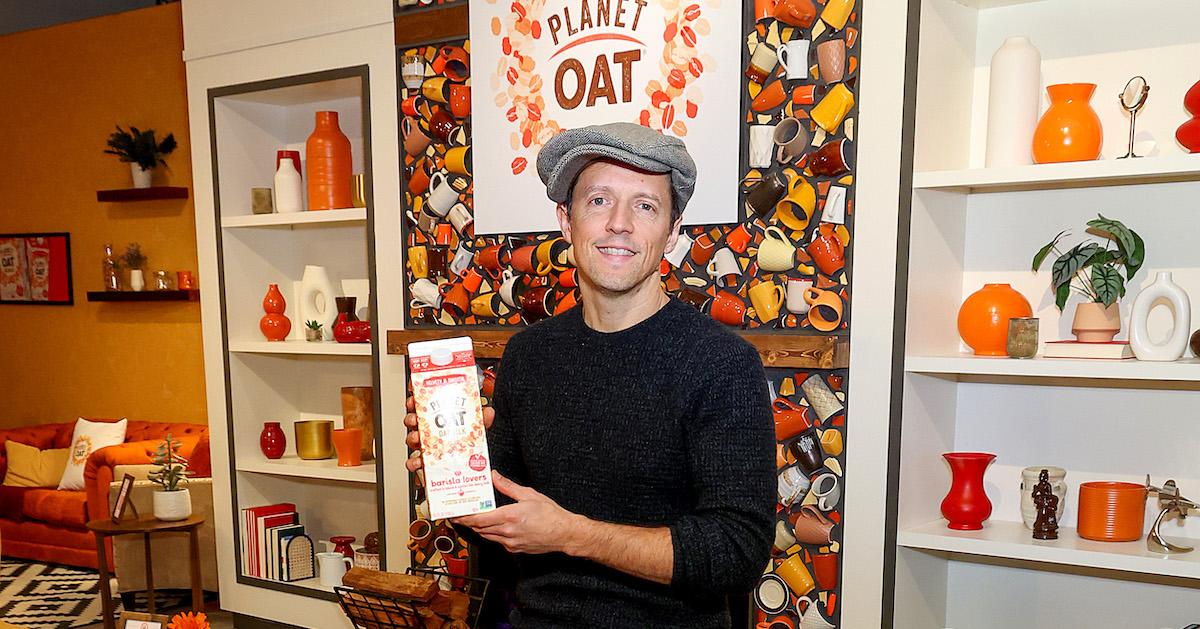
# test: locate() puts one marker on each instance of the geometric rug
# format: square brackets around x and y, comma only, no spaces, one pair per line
[50,596]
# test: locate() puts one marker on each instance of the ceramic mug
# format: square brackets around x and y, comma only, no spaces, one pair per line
[762,63]
[800,13]
[683,245]
[694,298]
[462,259]
[436,88]
[830,159]
[831,441]
[791,140]
[425,294]
[795,295]
[537,303]
[792,483]
[807,450]
[763,9]
[703,249]
[454,62]
[455,299]
[837,12]
[796,209]
[332,566]
[825,309]
[418,261]
[569,278]
[552,255]
[827,251]
[761,141]
[417,175]
[762,197]
[441,125]
[412,70]
[458,160]
[413,105]
[831,59]
[811,617]
[460,100]
[827,490]
[472,279]
[723,267]
[493,258]
[784,539]
[510,288]
[791,419]
[444,234]
[825,568]
[566,302]
[437,262]
[1058,486]
[771,96]
[460,217]
[442,195]
[489,305]
[776,252]
[821,399]
[793,56]
[524,260]
[728,308]
[810,526]
[796,575]
[738,239]
[415,140]
[833,108]
[767,298]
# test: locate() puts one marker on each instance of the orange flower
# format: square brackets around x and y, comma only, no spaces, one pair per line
[188,620]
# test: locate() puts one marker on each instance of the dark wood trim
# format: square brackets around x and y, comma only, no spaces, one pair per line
[777,350]
[142,194]
[418,28]
[145,295]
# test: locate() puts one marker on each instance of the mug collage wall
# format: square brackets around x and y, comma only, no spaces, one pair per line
[784,268]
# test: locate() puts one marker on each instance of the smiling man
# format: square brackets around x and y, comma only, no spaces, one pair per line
[631,436]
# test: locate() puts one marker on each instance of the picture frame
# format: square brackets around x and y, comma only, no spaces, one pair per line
[138,620]
[35,269]
[122,501]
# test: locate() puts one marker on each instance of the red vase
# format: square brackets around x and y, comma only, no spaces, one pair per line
[1188,133]
[274,325]
[347,328]
[328,157]
[983,318]
[272,441]
[966,506]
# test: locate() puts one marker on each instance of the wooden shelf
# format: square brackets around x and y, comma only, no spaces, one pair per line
[291,219]
[322,348]
[1110,172]
[292,465]
[1011,540]
[156,193]
[1186,369]
[144,295]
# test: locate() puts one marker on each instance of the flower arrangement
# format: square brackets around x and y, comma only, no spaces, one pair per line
[140,147]
[189,620]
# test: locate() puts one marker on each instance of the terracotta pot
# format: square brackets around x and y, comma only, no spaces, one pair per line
[966,505]
[1096,323]
[328,157]
[272,441]
[983,318]
[1070,130]
[1188,133]
[1111,511]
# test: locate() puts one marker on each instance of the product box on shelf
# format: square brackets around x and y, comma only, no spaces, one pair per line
[458,473]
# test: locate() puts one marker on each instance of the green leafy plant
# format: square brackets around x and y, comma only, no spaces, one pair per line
[133,257]
[1094,269]
[313,325]
[172,467]
[140,147]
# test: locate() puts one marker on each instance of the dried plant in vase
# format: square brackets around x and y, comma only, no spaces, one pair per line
[133,259]
[142,150]
[172,502]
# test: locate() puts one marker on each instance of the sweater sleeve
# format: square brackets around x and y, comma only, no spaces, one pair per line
[724,543]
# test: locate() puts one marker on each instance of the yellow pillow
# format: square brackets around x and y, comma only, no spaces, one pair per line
[30,467]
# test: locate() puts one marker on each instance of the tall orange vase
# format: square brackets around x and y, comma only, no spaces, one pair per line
[1070,130]
[328,155]
[983,318]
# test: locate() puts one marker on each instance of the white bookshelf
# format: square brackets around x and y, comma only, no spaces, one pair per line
[1111,172]
[300,348]
[297,219]
[292,465]
[1183,372]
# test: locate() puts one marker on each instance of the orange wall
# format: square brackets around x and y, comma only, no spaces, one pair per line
[64,88]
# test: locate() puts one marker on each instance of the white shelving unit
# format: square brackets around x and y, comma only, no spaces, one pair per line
[301,348]
[1100,420]
[297,219]
[328,469]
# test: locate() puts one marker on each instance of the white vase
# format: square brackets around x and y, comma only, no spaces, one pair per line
[316,297]
[289,189]
[1014,98]
[170,506]
[1139,336]
[137,280]
[142,177]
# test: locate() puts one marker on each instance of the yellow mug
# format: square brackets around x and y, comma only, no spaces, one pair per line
[767,298]
[435,89]
[832,109]
[488,305]
[418,261]
[776,253]
[795,210]
[458,160]
[551,256]
[796,575]
[837,13]
[831,441]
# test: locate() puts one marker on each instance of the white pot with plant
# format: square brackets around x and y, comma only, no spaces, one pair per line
[313,331]
[1093,270]
[172,502]
[134,260]
[142,150]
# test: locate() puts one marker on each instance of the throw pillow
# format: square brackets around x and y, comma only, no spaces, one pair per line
[87,438]
[31,467]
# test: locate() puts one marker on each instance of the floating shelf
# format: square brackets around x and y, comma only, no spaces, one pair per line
[322,348]
[291,465]
[291,219]
[1109,172]
[155,193]
[1186,369]
[144,295]
[312,588]
[1013,541]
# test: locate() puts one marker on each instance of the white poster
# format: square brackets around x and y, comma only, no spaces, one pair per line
[540,66]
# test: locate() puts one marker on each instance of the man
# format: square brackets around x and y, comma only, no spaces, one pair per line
[631,435]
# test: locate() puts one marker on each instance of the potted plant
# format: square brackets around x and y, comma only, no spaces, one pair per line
[142,150]
[313,331]
[1094,270]
[172,502]
[134,260]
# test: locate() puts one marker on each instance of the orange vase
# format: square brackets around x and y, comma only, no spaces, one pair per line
[1070,130]
[348,442]
[328,172]
[983,318]
[1111,511]
[274,325]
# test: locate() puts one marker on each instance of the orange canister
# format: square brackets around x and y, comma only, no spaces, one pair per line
[1111,511]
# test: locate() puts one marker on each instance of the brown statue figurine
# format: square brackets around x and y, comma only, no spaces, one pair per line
[1046,524]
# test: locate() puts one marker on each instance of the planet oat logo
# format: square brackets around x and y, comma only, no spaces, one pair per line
[477,462]
[81,449]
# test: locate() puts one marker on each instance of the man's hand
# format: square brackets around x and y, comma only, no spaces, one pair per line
[413,439]
[533,524]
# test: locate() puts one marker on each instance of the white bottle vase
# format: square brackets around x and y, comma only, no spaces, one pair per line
[289,189]
[316,298]
[1014,98]
[137,280]
[142,177]
[1139,336]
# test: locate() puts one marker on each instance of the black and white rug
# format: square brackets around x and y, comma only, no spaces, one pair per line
[50,596]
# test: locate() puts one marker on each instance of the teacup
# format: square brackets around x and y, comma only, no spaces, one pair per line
[791,137]
[791,419]
[810,526]
[795,210]
[417,175]
[767,298]
[825,312]
[425,294]
[776,253]
[462,259]
[807,450]
[723,268]
[552,255]
[795,295]
[454,62]
[472,279]
[796,575]
[436,88]
[460,100]
[837,12]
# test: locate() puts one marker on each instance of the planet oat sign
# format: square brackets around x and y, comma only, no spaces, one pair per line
[544,65]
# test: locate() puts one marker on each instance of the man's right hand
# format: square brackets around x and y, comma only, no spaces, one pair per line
[415,462]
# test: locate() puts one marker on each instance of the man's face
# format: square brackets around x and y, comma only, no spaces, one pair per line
[620,225]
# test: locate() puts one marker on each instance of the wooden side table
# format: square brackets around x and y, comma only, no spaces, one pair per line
[146,525]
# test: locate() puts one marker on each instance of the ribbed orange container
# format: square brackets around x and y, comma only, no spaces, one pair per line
[1111,511]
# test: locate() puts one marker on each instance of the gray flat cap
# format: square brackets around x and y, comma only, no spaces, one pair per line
[568,152]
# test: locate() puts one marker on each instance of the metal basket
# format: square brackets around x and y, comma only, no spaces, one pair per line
[367,610]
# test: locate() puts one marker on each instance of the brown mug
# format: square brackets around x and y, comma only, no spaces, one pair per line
[440,125]
[807,450]
[728,308]
[415,140]
[827,251]
[831,59]
[694,298]
[830,159]
[800,13]
[810,526]
[437,261]
[537,303]
[762,197]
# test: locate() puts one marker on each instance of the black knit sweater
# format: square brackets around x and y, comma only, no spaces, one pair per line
[666,423]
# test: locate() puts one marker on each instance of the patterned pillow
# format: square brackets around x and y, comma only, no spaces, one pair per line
[87,438]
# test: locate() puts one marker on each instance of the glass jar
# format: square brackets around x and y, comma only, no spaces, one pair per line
[1022,337]
[161,281]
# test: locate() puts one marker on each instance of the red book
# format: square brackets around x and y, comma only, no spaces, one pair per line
[251,531]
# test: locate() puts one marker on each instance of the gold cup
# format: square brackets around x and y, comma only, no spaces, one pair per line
[358,190]
[314,439]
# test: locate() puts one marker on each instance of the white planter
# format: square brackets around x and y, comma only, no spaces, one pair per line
[316,297]
[137,280]
[1139,337]
[142,177]
[1014,98]
[289,190]
[170,506]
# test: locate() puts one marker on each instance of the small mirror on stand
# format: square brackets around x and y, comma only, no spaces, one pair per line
[1133,98]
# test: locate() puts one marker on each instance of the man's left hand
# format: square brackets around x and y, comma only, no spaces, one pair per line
[533,524]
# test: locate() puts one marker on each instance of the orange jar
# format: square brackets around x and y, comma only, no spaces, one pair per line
[1070,130]
[327,154]
[1111,511]
[983,318]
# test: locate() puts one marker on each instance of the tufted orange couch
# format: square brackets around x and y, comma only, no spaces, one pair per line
[51,524]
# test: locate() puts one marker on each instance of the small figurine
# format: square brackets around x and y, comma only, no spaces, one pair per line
[1046,524]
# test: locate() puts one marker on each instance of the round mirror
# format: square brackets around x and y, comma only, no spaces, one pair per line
[1135,93]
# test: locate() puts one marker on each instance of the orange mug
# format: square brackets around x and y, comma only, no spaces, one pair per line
[348,442]
[524,259]
[488,382]
[791,419]
[825,568]
[567,302]
[569,278]
[492,259]
[800,13]
[185,280]
[418,177]
[455,298]
[1111,511]
[728,309]
[796,575]
[453,62]
[702,249]
[738,239]
[472,279]
[825,309]
[763,9]
[828,252]
[460,100]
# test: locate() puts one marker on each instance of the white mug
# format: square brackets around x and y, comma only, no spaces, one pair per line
[811,618]
[462,259]
[827,490]
[412,72]
[795,295]
[683,245]
[723,263]
[508,287]
[425,294]
[331,567]
[793,482]
[762,138]
[442,195]
[793,56]
[1058,486]
[460,217]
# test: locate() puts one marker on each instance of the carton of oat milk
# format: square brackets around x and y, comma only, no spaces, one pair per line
[458,474]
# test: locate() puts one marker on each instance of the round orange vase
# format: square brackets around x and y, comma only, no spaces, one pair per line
[274,325]
[327,153]
[1070,130]
[1111,511]
[983,318]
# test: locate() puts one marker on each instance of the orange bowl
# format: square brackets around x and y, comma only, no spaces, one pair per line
[1111,511]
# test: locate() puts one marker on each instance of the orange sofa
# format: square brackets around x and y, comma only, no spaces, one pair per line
[49,524]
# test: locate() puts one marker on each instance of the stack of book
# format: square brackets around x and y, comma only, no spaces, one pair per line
[274,545]
[1113,350]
